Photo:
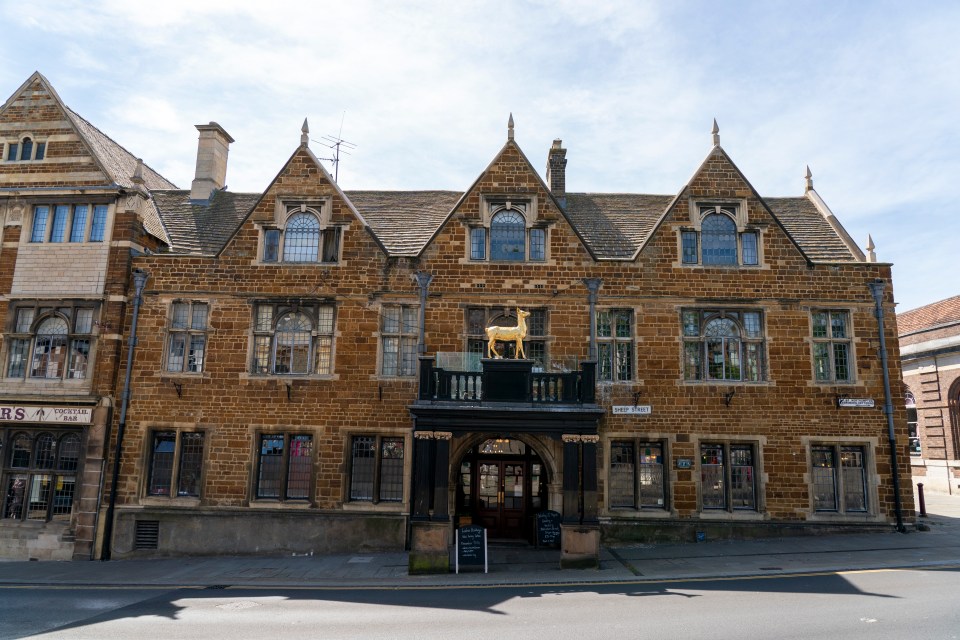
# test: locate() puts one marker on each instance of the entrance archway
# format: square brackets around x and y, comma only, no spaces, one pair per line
[501,484]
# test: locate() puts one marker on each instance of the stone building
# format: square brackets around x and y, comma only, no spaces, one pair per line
[313,373]
[930,352]
[75,209]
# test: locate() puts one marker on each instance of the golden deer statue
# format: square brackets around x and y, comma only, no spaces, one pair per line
[517,334]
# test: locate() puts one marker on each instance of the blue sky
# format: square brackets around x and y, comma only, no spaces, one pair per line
[865,93]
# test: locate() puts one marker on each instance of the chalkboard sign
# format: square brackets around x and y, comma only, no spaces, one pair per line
[471,547]
[548,529]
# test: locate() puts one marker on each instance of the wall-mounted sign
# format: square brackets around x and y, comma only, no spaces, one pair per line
[65,415]
[684,463]
[632,409]
[856,403]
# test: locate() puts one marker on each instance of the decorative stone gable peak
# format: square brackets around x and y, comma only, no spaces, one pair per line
[305,134]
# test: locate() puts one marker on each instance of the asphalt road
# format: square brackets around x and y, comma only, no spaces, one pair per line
[876,605]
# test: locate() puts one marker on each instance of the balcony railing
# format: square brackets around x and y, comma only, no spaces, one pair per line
[507,381]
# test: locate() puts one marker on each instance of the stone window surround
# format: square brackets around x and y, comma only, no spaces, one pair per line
[387,507]
[5,147]
[760,477]
[764,342]
[740,207]
[871,475]
[524,204]
[11,333]
[257,433]
[26,235]
[284,208]
[312,305]
[667,440]
[379,336]
[186,331]
[173,499]
[852,339]
[613,340]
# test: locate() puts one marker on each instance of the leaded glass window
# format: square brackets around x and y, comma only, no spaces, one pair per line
[376,469]
[615,345]
[507,236]
[293,339]
[399,332]
[832,357]
[285,466]
[721,345]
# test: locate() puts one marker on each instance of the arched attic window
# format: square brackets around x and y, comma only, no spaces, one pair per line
[303,238]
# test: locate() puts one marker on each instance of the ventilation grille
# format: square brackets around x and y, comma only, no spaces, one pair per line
[147,534]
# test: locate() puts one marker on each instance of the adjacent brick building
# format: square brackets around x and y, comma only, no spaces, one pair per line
[930,350]
[75,208]
[312,374]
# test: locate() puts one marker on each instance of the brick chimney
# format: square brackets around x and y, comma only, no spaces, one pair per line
[212,152]
[557,171]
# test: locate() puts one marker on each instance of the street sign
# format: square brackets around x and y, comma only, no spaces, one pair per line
[632,409]
[856,403]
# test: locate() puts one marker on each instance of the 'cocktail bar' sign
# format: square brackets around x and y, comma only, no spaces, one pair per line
[60,415]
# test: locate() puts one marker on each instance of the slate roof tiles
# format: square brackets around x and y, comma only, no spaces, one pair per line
[929,316]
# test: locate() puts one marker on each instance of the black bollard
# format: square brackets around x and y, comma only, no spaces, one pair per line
[923,505]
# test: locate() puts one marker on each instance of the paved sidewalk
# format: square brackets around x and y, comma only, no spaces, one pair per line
[510,565]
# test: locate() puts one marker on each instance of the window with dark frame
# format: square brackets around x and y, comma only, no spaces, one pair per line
[728,479]
[399,333]
[187,336]
[302,239]
[832,360]
[718,243]
[176,462]
[534,345]
[723,345]
[50,342]
[62,223]
[615,345]
[25,150]
[39,474]
[839,478]
[507,238]
[376,469]
[292,338]
[636,475]
[284,466]
[913,425]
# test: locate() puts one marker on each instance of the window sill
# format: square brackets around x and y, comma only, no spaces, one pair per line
[176,501]
[836,516]
[167,376]
[283,378]
[732,515]
[729,383]
[639,514]
[381,507]
[297,505]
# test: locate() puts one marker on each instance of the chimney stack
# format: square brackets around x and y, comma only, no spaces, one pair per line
[212,150]
[557,171]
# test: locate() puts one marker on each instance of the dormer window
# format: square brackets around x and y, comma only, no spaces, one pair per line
[25,149]
[509,235]
[306,236]
[720,239]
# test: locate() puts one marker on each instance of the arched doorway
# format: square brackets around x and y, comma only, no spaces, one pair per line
[501,484]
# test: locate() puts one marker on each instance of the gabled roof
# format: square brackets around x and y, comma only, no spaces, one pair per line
[404,221]
[201,227]
[615,225]
[929,316]
[118,163]
[804,222]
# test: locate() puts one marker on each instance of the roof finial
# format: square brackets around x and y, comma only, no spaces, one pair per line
[809,177]
[305,133]
[716,133]
[510,127]
[871,255]
[137,177]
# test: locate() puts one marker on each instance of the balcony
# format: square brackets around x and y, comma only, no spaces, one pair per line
[510,381]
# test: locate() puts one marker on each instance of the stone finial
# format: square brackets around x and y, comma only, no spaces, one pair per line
[137,177]
[716,133]
[871,255]
[305,134]
[510,128]
[809,178]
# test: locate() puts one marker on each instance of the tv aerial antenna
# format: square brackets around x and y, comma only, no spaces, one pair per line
[337,145]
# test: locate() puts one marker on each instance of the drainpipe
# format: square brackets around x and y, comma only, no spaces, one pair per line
[423,281]
[139,280]
[876,288]
[593,287]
